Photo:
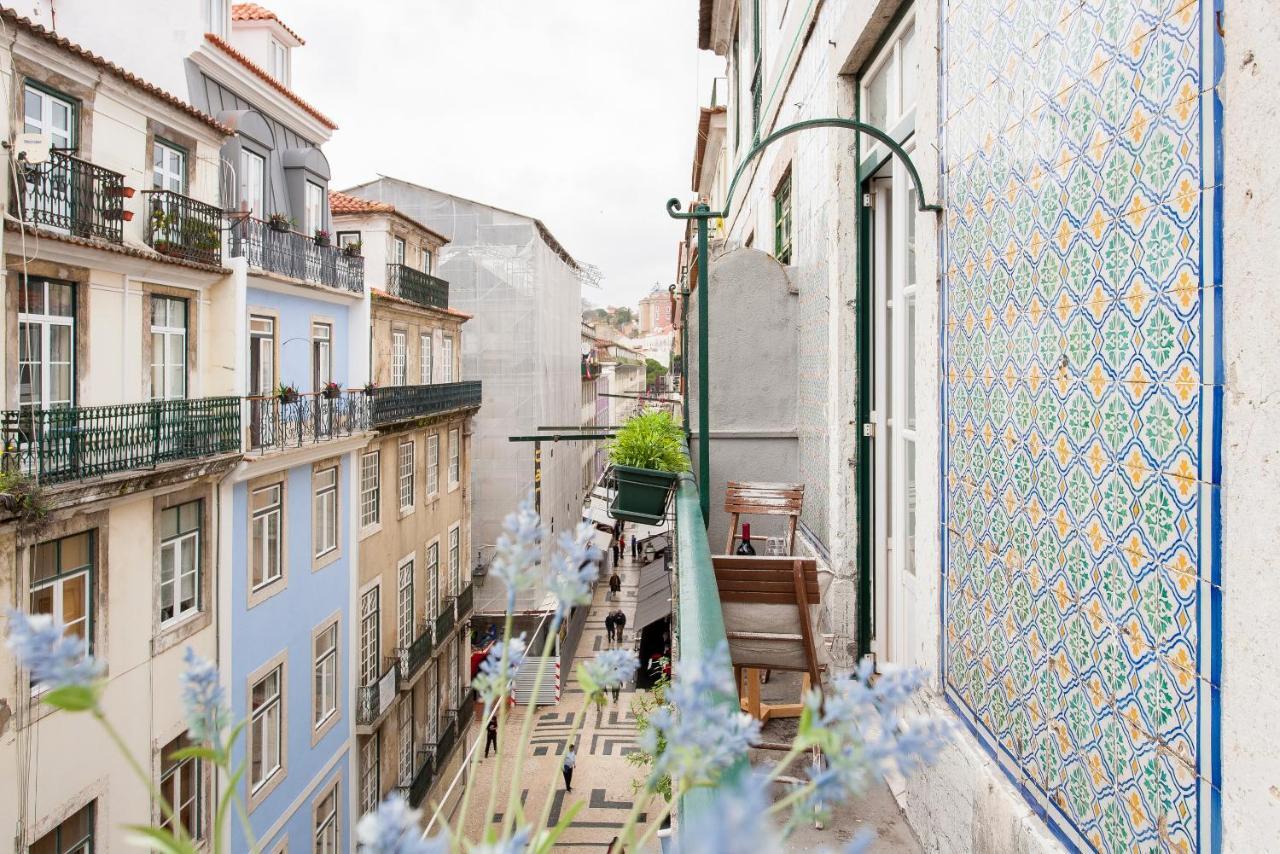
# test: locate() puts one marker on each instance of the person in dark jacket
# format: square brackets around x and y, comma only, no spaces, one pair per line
[615,585]
[619,623]
[609,626]
[491,737]
[635,547]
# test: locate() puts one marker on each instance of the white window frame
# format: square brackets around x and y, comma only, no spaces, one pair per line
[326,838]
[324,672]
[259,546]
[404,723]
[455,458]
[279,62]
[446,359]
[404,602]
[425,342]
[171,788]
[899,118]
[253,182]
[58,583]
[266,729]
[433,581]
[216,17]
[398,247]
[406,463]
[324,511]
[428,259]
[370,640]
[370,488]
[370,759]
[321,354]
[399,356]
[168,167]
[59,137]
[433,465]
[46,323]
[455,559]
[163,334]
[314,203]
[180,545]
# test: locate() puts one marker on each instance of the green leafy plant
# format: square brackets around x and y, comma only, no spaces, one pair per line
[287,393]
[23,497]
[650,440]
[643,705]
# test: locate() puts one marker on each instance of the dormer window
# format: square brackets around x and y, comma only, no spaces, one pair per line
[216,17]
[280,62]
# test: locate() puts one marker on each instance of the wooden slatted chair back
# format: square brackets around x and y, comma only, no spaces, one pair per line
[767,580]
[760,498]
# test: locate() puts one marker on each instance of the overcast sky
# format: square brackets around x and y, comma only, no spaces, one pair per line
[579,112]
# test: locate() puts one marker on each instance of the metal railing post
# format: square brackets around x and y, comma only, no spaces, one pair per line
[704,388]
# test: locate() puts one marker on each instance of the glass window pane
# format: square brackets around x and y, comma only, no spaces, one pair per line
[34,103]
[61,300]
[169,523]
[74,601]
[877,107]
[75,552]
[910,70]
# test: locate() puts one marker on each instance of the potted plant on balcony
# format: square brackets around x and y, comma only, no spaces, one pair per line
[322,237]
[645,458]
[369,387]
[280,222]
[331,390]
[287,393]
[352,249]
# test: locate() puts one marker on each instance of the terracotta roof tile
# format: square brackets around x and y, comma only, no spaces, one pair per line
[106,65]
[345,203]
[254,12]
[266,77]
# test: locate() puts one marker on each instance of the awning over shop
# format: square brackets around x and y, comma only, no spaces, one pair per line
[653,598]
[601,540]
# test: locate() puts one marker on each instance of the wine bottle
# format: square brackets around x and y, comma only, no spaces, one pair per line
[745,547]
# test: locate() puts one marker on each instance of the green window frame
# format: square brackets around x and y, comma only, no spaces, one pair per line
[50,92]
[159,171]
[783,234]
[73,835]
[53,576]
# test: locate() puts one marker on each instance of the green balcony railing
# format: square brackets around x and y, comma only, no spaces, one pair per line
[69,443]
[466,600]
[398,403]
[69,194]
[416,286]
[416,654]
[276,423]
[448,736]
[699,620]
[423,777]
[444,620]
[183,227]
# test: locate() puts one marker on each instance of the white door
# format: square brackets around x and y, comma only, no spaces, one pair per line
[894,413]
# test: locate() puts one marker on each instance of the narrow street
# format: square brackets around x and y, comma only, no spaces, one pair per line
[603,776]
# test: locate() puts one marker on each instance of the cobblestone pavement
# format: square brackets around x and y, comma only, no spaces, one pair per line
[602,779]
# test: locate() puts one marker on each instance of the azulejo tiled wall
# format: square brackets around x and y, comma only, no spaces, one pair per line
[1080,633]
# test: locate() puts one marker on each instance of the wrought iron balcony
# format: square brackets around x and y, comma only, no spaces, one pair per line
[424,776]
[277,422]
[281,250]
[444,620]
[373,701]
[416,654]
[448,735]
[398,403]
[416,286]
[465,601]
[183,227]
[72,195]
[76,442]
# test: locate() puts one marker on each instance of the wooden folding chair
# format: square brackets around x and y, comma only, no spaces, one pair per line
[757,498]
[766,580]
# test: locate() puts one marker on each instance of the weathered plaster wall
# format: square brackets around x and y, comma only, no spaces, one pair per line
[1251,440]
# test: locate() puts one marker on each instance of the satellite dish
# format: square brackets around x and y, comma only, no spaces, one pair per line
[32,147]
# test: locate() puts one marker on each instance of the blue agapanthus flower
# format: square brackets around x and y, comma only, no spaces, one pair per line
[54,658]
[704,728]
[611,668]
[519,551]
[493,678]
[517,843]
[394,828]
[204,698]
[574,569]
[736,822]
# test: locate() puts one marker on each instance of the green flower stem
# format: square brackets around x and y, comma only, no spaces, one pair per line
[655,824]
[501,706]
[513,798]
[579,721]
[243,815]
[165,809]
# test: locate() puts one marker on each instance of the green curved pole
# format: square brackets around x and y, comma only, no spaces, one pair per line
[702,213]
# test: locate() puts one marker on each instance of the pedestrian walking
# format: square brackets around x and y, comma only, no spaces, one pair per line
[570,760]
[615,585]
[609,623]
[617,553]
[616,690]
[491,737]
[635,547]
[619,623]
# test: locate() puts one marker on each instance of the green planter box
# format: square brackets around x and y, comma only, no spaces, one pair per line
[641,495]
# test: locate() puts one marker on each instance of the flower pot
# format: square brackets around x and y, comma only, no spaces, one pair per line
[322,241]
[641,495]
[288,397]
[331,393]
[279,225]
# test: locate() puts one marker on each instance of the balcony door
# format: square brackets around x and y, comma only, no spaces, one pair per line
[46,344]
[893,458]
[262,379]
[50,187]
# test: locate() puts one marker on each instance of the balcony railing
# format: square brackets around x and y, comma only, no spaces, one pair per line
[277,423]
[417,286]
[397,403]
[375,699]
[444,620]
[448,735]
[72,195]
[295,255]
[423,777]
[416,654]
[182,227]
[76,442]
[465,601]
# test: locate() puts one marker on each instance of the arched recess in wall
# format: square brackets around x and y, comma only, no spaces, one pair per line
[253,134]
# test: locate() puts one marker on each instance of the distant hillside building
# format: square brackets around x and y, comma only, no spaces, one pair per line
[655,312]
